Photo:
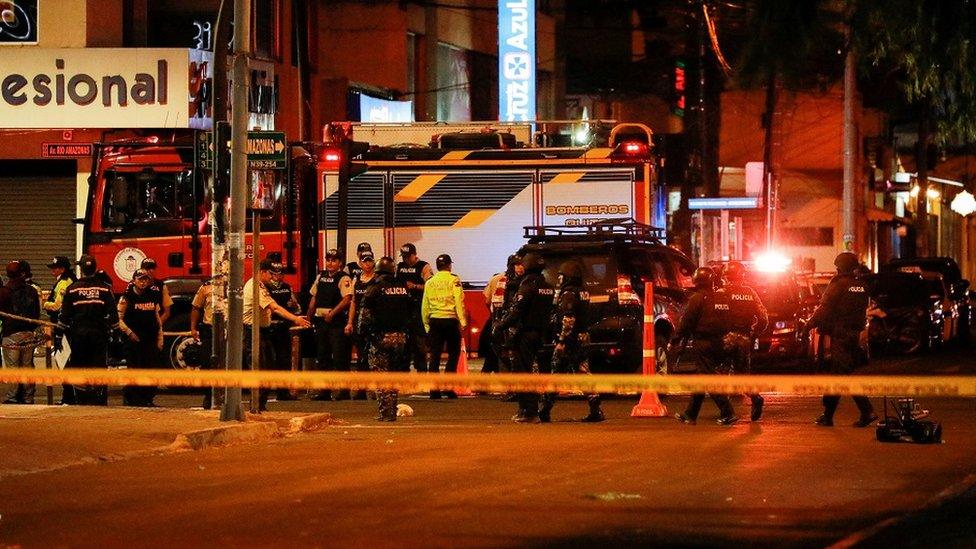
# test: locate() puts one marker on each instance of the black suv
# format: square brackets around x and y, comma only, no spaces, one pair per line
[617,257]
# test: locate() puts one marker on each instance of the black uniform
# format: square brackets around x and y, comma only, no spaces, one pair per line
[280,330]
[746,318]
[142,318]
[842,315]
[529,316]
[386,313]
[416,340]
[88,313]
[332,345]
[502,338]
[703,319]
[569,326]
[354,269]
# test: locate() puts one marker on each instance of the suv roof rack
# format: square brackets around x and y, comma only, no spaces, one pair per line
[626,228]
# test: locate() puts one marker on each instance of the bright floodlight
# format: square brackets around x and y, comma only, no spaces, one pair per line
[772,262]
[964,203]
[582,135]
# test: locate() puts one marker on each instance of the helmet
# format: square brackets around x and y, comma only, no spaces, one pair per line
[571,270]
[533,261]
[386,266]
[734,271]
[514,260]
[703,277]
[846,262]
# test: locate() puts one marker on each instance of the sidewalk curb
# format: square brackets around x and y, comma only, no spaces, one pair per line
[256,429]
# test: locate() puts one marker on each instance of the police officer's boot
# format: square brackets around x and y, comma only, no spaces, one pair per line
[28,396]
[545,411]
[596,413]
[757,407]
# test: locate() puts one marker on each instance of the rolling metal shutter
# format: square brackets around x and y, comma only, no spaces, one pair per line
[36,218]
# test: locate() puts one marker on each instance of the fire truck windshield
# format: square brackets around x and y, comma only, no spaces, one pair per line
[132,197]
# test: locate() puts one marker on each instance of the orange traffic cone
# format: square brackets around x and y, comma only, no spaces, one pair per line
[649,405]
[462,369]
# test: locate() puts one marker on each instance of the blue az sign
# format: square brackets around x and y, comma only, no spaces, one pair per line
[516,60]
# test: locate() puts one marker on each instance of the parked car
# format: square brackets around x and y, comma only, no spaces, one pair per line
[617,258]
[910,312]
[957,287]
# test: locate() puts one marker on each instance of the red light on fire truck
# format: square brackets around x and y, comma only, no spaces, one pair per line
[331,159]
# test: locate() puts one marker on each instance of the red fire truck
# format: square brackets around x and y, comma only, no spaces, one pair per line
[466,190]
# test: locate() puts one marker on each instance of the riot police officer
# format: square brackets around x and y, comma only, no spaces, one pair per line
[500,338]
[569,324]
[746,319]
[414,272]
[386,312]
[703,321]
[529,316]
[842,315]
[88,313]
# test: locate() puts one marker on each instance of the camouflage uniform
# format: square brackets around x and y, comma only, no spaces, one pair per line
[387,311]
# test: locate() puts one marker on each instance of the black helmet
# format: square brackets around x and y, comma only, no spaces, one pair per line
[734,271]
[846,262]
[514,260]
[571,270]
[703,278]
[386,266]
[533,261]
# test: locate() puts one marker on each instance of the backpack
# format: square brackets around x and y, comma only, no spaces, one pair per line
[25,302]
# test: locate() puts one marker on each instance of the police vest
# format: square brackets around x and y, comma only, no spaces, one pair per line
[281,295]
[851,309]
[91,304]
[390,305]
[327,293]
[359,289]
[539,309]
[140,310]
[729,309]
[412,273]
[572,301]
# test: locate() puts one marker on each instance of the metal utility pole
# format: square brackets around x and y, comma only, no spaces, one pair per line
[850,148]
[238,197]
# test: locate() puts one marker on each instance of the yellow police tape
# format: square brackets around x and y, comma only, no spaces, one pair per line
[942,386]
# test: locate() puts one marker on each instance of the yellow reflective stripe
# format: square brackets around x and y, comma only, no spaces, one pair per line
[648,353]
[598,153]
[474,218]
[416,188]
[567,177]
[648,318]
[456,155]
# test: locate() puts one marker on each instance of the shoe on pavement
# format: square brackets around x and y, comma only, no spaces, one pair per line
[727,420]
[685,418]
[385,418]
[524,418]
[594,417]
[434,395]
[757,409]
[451,394]
[545,416]
[825,421]
[866,421]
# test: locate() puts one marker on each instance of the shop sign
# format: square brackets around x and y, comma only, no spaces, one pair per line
[516,60]
[66,150]
[105,88]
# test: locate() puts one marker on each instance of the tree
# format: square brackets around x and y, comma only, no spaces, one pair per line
[930,48]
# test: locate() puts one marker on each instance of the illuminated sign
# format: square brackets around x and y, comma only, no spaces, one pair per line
[678,108]
[374,109]
[18,22]
[105,88]
[66,150]
[730,203]
[516,60]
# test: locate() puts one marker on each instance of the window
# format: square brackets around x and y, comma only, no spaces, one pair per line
[134,197]
[265,22]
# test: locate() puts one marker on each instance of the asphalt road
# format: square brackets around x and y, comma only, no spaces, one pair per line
[460,473]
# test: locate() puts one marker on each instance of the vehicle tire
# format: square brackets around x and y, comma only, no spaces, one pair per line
[884,434]
[910,338]
[662,362]
[181,351]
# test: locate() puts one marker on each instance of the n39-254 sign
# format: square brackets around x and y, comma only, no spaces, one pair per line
[516,60]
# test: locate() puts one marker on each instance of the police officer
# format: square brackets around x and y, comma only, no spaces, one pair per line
[329,312]
[282,294]
[354,327]
[88,314]
[165,302]
[201,329]
[355,268]
[139,314]
[842,314]
[529,315]
[444,318]
[496,293]
[414,273]
[571,338]
[746,319]
[63,277]
[704,320]
[386,312]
